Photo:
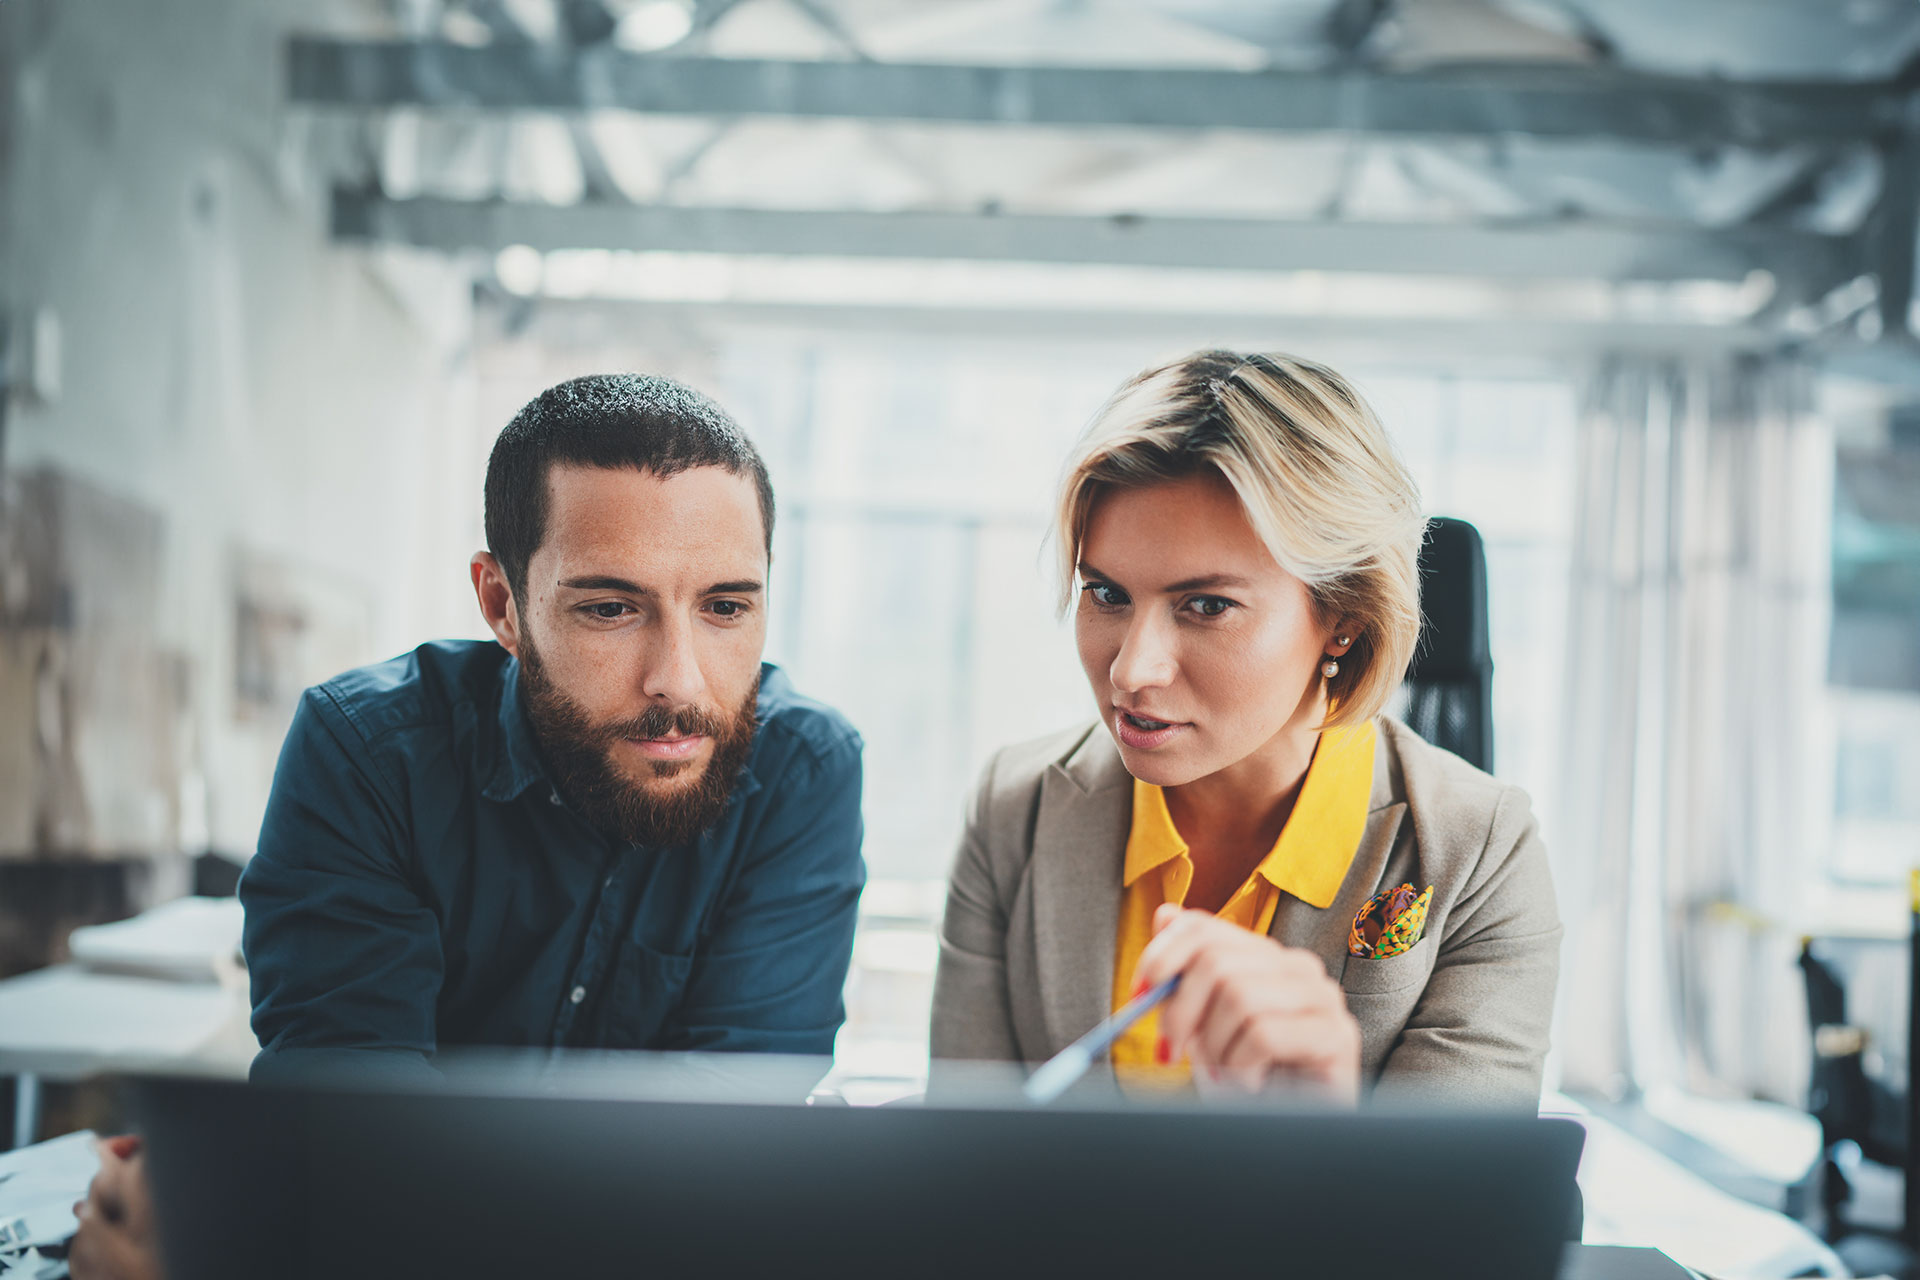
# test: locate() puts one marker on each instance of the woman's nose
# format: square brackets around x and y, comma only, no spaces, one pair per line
[1146,658]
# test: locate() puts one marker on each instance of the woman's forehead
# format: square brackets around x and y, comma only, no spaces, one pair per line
[1173,532]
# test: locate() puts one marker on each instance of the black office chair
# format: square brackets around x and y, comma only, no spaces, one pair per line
[1449,687]
[1859,1098]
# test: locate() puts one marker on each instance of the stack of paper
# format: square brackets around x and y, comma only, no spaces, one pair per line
[38,1188]
[190,938]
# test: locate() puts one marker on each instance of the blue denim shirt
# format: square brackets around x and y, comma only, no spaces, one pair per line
[420,883]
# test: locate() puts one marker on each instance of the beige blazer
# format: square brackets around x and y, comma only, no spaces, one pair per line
[1026,949]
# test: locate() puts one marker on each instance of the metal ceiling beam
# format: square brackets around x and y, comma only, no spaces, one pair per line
[1477,342]
[1559,101]
[1803,262]
[1889,240]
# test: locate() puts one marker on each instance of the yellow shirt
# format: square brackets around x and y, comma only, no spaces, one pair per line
[1309,861]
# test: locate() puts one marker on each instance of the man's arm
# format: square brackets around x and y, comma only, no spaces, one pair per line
[343,955]
[771,973]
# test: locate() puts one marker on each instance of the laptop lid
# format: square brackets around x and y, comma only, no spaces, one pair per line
[336,1181]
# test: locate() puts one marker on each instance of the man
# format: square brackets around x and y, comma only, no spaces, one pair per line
[612,828]
[615,827]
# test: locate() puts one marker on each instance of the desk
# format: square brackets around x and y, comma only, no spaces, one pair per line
[69,1023]
[1633,1195]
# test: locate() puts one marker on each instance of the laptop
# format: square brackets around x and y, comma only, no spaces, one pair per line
[613,1172]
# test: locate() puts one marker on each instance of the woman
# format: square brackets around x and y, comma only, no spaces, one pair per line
[1347,906]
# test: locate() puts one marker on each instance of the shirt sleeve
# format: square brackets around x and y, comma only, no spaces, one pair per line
[771,975]
[343,955]
[1479,1034]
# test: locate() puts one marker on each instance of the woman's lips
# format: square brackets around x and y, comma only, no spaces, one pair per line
[1142,733]
[668,748]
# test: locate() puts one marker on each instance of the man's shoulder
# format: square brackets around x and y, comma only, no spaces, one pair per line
[423,688]
[794,725]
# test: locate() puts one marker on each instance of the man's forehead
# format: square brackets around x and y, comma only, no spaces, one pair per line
[623,515]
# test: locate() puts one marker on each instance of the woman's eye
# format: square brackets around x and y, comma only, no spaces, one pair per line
[1105,596]
[1209,606]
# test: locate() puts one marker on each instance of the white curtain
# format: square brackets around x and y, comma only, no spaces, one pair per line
[1696,640]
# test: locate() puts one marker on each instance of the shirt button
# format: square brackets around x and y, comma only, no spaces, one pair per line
[577,994]
[553,797]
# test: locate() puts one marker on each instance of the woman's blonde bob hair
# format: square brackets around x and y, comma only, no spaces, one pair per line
[1314,470]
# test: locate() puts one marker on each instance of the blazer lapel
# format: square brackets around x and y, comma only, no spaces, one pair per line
[1325,932]
[1079,852]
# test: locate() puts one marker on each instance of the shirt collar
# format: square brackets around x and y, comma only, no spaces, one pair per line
[516,760]
[1315,848]
[1153,840]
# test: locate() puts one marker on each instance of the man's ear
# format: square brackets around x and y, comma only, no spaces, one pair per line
[497,605]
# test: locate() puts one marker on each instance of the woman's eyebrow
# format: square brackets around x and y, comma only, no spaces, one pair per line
[1201,583]
[1209,580]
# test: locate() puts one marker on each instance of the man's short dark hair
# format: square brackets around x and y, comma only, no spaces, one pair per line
[608,420]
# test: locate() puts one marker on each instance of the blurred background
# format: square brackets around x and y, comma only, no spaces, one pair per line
[1631,283]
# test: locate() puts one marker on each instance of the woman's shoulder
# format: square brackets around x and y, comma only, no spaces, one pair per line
[1451,801]
[1014,772]
[1007,796]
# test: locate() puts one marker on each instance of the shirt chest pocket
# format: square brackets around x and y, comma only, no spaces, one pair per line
[647,990]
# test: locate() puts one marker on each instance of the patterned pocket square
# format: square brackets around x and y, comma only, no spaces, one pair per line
[1390,923]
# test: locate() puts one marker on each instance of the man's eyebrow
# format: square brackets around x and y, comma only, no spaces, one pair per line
[606,582]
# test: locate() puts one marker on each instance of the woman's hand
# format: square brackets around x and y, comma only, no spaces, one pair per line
[1248,1009]
[115,1240]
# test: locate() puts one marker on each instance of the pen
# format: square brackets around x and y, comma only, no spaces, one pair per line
[1057,1074]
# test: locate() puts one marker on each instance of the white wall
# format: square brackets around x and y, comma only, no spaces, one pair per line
[276,401]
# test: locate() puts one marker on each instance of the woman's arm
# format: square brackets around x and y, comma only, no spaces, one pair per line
[1479,1033]
[972,1012]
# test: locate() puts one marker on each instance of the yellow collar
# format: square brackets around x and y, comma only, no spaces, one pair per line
[1311,857]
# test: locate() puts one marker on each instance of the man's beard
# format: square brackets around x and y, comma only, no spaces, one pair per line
[580,755]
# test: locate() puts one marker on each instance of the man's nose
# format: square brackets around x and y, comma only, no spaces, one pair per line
[672,672]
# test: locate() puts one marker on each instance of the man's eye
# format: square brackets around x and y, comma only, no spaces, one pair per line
[728,608]
[608,609]
[1105,596]
[1209,606]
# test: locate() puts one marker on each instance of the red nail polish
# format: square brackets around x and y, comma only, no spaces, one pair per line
[1141,989]
[1163,1052]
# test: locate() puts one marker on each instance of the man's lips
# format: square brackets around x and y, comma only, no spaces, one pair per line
[678,747]
[1143,732]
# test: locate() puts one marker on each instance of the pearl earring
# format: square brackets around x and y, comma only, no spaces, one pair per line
[1329,668]
[1343,641]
